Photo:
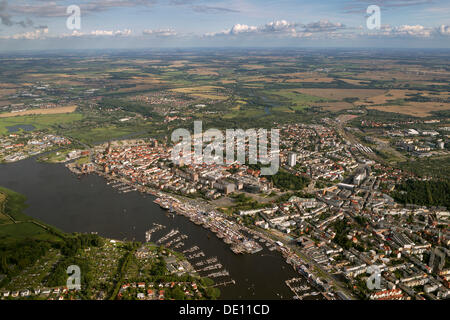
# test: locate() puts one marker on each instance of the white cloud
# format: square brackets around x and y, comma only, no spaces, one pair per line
[242,28]
[110,33]
[323,26]
[98,33]
[281,26]
[31,35]
[160,32]
[417,31]
[325,29]
[443,30]
[235,30]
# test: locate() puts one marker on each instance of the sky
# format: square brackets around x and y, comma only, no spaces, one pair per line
[104,24]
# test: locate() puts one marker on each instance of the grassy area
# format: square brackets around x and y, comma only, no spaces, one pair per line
[23,226]
[298,101]
[3,217]
[57,156]
[83,160]
[389,155]
[101,134]
[287,109]
[14,204]
[209,96]
[38,121]
[22,231]
[244,113]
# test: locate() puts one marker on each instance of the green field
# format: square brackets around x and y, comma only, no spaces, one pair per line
[56,156]
[101,134]
[14,204]
[23,230]
[22,226]
[298,101]
[39,121]
[244,113]
[3,217]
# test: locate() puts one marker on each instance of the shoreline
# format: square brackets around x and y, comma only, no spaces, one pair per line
[235,239]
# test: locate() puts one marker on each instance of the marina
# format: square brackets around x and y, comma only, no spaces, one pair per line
[148,233]
[228,231]
[209,267]
[93,206]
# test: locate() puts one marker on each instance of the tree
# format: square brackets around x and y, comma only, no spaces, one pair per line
[178,294]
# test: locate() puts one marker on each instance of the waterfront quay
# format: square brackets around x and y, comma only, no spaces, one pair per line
[241,239]
[224,229]
[200,214]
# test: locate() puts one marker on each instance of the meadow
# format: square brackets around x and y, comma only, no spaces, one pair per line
[15,225]
[101,134]
[39,121]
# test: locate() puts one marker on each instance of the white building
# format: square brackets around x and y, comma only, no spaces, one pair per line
[292,159]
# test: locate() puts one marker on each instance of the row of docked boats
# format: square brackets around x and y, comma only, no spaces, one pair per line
[223,228]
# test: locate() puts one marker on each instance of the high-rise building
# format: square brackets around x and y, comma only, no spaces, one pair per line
[292,159]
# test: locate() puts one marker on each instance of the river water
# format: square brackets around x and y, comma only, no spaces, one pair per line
[56,197]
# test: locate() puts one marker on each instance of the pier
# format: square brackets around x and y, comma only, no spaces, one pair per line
[194,248]
[207,261]
[225,283]
[223,273]
[196,255]
[148,233]
[168,236]
[210,267]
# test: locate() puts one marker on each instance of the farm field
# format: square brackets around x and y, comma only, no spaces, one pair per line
[339,94]
[413,109]
[114,93]
[42,121]
[68,109]
[203,92]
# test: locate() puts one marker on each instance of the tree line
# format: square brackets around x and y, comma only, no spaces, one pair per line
[424,193]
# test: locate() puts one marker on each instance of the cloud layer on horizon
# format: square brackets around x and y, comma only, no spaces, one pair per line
[215,21]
